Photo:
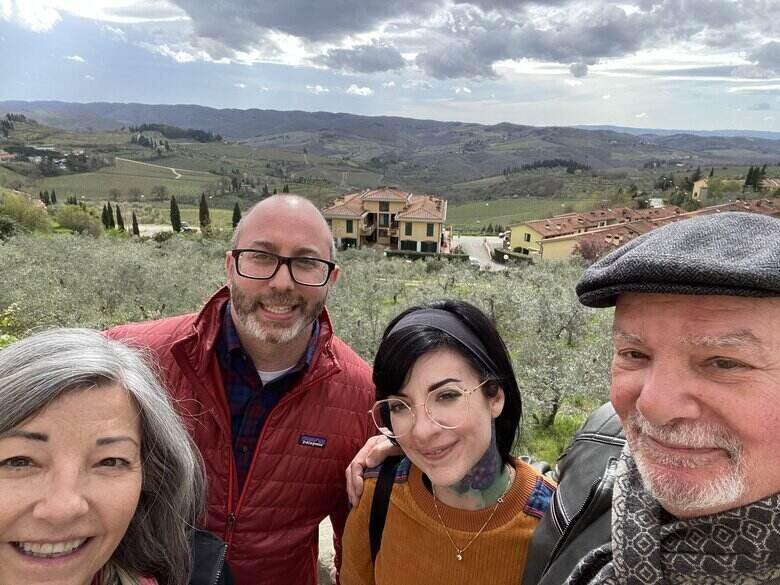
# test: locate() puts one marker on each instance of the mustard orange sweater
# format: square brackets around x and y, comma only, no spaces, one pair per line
[415,548]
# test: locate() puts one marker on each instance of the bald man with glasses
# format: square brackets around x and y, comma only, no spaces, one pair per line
[277,404]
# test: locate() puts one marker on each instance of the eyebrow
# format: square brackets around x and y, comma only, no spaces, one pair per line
[433,386]
[618,335]
[730,339]
[44,438]
[19,434]
[118,439]
[305,251]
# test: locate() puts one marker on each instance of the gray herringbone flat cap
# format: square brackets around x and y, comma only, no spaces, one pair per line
[720,254]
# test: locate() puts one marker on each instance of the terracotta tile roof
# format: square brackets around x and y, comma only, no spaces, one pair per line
[385,194]
[762,206]
[349,206]
[618,234]
[424,207]
[418,207]
[570,223]
[619,231]
[555,226]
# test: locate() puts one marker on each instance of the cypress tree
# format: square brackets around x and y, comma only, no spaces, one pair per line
[136,231]
[203,213]
[104,217]
[749,177]
[236,214]
[712,172]
[175,215]
[286,188]
[110,215]
[53,197]
[120,223]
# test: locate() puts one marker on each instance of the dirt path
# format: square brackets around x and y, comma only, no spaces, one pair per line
[176,174]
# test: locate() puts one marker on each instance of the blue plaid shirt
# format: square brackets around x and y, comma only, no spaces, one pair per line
[250,401]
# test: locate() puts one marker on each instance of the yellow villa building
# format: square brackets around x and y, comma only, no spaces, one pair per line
[390,217]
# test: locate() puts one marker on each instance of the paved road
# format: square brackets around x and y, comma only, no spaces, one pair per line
[475,246]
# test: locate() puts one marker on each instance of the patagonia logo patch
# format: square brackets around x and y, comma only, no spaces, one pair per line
[312,441]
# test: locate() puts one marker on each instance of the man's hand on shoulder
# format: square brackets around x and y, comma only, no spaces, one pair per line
[375,451]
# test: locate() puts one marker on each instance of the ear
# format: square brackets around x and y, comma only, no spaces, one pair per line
[334,276]
[230,266]
[497,403]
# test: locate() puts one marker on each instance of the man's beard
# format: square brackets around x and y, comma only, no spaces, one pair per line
[245,308]
[677,492]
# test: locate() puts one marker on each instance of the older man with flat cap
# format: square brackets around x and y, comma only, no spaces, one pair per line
[692,495]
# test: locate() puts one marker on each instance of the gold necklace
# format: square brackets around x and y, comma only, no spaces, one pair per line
[460,551]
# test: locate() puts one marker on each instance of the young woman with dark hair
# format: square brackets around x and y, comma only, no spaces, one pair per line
[462,509]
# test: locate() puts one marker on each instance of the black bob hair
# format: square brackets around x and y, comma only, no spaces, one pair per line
[399,351]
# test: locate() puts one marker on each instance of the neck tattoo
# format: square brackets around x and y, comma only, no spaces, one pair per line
[484,482]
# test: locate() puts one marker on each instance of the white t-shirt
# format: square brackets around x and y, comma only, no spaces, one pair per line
[266,377]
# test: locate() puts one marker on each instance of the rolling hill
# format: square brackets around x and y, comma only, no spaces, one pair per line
[416,153]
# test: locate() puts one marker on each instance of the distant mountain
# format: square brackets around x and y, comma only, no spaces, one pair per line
[660,132]
[418,153]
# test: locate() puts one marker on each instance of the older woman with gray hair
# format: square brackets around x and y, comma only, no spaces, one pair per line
[100,483]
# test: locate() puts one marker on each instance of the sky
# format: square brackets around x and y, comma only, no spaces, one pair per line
[681,64]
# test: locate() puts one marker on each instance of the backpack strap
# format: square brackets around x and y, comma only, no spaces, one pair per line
[380,503]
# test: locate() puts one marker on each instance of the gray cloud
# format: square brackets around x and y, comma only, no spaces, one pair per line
[465,38]
[760,107]
[232,20]
[767,57]
[452,61]
[605,32]
[579,69]
[509,5]
[364,59]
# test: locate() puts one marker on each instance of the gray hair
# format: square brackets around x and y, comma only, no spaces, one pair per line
[37,370]
[239,225]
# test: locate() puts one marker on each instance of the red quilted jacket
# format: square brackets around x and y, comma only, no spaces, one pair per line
[309,438]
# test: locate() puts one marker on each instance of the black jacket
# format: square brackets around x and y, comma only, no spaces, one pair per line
[579,518]
[208,560]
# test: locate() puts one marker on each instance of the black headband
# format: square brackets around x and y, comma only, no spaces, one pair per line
[448,323]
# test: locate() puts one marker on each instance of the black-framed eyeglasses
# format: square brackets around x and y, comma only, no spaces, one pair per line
[262,265]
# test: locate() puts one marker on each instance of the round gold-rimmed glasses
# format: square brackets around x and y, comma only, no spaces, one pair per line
[447,407]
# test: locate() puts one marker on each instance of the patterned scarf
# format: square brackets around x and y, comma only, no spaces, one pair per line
[649,547]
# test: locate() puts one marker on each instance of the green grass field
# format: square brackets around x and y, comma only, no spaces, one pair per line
[509,211]
[123,176]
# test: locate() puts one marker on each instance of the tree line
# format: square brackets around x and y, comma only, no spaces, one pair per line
[174,132]
[569,164]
